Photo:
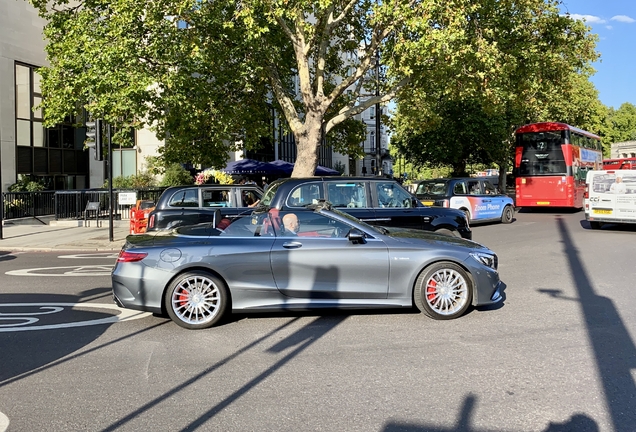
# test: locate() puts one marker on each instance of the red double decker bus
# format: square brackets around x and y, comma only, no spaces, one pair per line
[551,163]
[619,164]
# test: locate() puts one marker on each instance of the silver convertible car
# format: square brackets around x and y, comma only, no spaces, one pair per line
[316,257]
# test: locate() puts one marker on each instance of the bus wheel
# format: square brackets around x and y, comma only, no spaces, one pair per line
[507,215]
[595,225]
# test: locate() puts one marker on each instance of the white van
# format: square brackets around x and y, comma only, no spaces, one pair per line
[610,197]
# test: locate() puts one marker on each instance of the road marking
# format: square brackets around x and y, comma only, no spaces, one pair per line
[4,422]
[94,270]
[25,319]
[105,255]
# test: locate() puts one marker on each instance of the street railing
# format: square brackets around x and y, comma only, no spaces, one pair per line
[70,204]
[28,204]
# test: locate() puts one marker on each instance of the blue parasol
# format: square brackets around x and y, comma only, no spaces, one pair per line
[251,166]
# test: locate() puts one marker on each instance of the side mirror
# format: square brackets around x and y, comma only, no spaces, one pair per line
[356,236]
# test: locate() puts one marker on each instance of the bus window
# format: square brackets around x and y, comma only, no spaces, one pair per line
[542,154]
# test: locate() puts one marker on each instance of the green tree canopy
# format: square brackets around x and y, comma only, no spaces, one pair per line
[206,73]
[619,125]
[541,72]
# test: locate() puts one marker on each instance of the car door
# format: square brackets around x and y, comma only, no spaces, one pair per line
[182,209]
[493,200]
[485,206]
[319,261]
[394,206]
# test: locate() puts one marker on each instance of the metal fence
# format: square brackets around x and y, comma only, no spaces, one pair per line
[28,204]
[70,204]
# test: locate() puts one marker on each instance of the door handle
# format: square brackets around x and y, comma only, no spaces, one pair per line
[292,245]
[486,200]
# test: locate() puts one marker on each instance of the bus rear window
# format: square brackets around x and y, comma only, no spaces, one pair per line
[542,154]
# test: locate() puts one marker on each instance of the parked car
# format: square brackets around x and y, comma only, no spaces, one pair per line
[374,200]
[196,274]
[476,196]
[188,205]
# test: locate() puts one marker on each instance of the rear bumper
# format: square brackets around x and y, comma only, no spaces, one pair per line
[609,220]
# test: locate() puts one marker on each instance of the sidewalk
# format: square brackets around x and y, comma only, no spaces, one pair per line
[63,236]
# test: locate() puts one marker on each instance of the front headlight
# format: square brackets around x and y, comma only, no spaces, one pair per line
[486,259]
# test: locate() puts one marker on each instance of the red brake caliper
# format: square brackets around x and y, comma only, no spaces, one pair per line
[183,298]
[431,289]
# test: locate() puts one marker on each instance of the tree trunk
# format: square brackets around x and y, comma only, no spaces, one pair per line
[307,141]
[503,177]
[459,168]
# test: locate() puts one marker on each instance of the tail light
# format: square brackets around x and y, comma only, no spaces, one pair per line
[126,256]
[151,221]
[446,203]
[586,195]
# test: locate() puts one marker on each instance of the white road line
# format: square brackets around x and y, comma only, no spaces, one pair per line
[124,315]
[94,270]
[105,255]
[4,422]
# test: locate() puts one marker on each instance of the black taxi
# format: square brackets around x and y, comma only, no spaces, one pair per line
[374,200]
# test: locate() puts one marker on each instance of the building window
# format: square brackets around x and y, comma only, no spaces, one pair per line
[54,156]
[27,96]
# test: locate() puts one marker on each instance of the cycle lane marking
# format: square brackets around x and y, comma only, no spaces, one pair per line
[87,270]
[4,422]
[24,320]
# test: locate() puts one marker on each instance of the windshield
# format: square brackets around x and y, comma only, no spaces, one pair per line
[542,154]
[433,187]
[266,200]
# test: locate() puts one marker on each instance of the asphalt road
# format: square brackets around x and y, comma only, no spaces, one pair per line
[557,355]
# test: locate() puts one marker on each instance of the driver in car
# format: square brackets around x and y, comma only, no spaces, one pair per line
[291,224]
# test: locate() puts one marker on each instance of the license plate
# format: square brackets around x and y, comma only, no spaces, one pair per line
[543,202]
[428,203]
[602,211]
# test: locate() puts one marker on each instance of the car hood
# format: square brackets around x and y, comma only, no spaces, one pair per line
[407,235]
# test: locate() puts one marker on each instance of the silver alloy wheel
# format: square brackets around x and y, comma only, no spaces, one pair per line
[196,300]
[446,291]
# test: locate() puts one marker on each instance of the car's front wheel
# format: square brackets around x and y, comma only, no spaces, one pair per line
[446,232]
[196,300]
[443,291]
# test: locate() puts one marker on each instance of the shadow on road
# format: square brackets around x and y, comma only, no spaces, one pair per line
[577,423]
[613,347]
[29,340]
[299,341]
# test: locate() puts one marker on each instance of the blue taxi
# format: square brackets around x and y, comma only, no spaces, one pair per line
[477,197]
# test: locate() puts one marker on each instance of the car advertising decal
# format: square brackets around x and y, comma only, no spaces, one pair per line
[480,208]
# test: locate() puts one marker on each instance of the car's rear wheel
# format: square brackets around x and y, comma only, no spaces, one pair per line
[507,215]
[196,300]
[443,291]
